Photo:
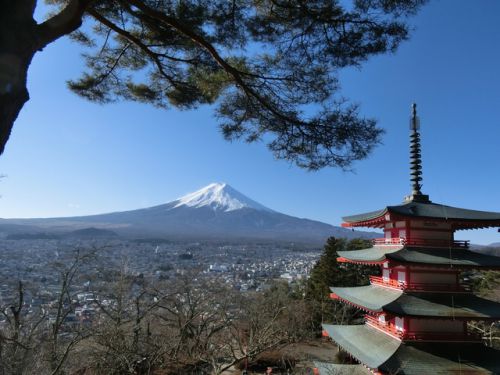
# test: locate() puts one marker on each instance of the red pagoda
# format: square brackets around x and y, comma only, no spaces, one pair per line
[417,310]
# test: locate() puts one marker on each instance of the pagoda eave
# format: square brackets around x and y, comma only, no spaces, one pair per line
[367,263]
[369,298]
[322,368]
[475,225]
[334,296]
[372,255]
[369,346]
[382,352]
[437,258]
[458,306]
[376,299]
[458,267]
[379,223]
[444,258]
[459,218]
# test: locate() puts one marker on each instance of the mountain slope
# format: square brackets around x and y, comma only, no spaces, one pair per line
[215,211]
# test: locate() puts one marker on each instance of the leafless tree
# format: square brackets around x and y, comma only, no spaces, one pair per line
[125,339]
[488,331]
[191,325]
[19,335]
[39,340]
[63,337]
[215,328]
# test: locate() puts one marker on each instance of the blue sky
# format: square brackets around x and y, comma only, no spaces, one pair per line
[70,157]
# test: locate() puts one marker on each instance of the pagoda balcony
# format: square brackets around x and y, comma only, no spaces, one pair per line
[419,287]
[421,242]
[385,327]
[404,335]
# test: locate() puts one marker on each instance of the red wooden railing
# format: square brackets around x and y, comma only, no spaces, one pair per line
[388,328]
[422,242]
[388,241]
[419,287]
[387,282]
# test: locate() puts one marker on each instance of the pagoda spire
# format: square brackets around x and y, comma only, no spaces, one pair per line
[415,159]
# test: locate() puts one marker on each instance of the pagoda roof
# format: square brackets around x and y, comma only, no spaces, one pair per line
[376,254]
[440,257]
[368,297]
[438,305]
[436,358]
[382,352]
[462,218]
[341,369]
[445,257]
[370,346]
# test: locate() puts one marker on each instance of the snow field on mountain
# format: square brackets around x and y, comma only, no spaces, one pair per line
[220,197]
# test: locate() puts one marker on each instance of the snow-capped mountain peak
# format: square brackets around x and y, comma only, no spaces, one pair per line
[220,197]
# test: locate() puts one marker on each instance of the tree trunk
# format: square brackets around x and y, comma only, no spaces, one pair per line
[17,47]
[10,106]
[20,38]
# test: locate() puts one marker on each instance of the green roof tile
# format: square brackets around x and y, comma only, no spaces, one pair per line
[379,351]
[370,297]
[363,217]
[429,210]
[338,369]
[369,346]
[445,257]
[439,305]
[439,358]
[372,254]
[444,305]
[430,256]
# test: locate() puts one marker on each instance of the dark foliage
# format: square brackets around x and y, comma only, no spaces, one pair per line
[270,66]
[327,273]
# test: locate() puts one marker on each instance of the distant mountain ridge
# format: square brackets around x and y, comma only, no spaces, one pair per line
[215,211]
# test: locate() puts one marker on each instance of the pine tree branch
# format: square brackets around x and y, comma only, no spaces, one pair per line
[152,55]
[66,21]
[202,42]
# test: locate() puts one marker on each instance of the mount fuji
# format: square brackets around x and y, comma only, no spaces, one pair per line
[219,197]
[216,211]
